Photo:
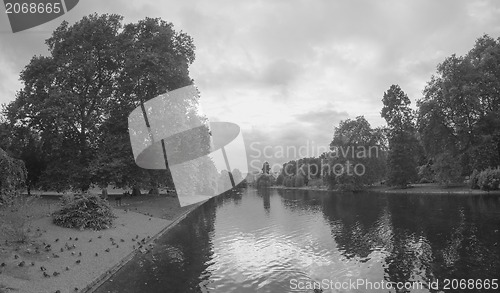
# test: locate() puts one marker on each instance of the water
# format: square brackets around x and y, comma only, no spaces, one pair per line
[269,241]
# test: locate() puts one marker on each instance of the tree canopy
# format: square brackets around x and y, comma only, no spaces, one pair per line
[75,101]
[458,117]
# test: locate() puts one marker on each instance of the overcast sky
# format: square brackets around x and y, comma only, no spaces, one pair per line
[288,71]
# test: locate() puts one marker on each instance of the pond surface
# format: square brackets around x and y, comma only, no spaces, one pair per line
[284,241]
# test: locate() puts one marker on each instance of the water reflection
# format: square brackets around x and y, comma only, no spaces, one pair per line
[259,241]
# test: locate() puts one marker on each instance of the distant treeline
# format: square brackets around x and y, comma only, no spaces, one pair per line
[453,134]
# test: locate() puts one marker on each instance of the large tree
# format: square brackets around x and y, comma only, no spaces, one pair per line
[77,99]
[401,161]
[458,115]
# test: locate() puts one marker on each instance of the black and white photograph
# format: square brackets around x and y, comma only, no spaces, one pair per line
[302,146]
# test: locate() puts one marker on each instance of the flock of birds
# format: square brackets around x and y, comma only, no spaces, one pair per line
[141,245]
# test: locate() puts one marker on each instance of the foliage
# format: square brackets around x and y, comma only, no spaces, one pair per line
[288,181]
[355,143]
[266,168]
[459,112]
[425,173]
[12,177]
[474,179]
[299,180]
[280,179]
[489,179]
[349,183]
[403,144]
[265,180]
[84,211]
[447,169]
[72,111]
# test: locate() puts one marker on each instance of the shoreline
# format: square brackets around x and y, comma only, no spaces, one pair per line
[96,283]
[95,256]
[414,189]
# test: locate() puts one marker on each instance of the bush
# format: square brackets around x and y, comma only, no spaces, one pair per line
[12,178]
[489,179]
[84,211]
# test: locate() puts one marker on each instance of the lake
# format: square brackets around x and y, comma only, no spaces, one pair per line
[295,241]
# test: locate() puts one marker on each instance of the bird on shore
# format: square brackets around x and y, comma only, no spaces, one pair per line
[100,236]
[16,256]
[78,261]
[42,268]
[46,275]
[121,240]
[2,265]
[21,264]
[32,264]
[55,274]
[62,249]
[90,240]
[76,239]
[57,240]
[79,254]
[55,255]
[96,254]
[107,250]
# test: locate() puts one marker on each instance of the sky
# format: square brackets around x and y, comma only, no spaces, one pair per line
[289,71]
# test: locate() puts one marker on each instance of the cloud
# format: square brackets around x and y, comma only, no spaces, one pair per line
[289,71]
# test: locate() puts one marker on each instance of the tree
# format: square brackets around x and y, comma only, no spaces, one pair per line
[459,110]
[155,60]
[401,161]
[77,100]
[354,145]
[266,168]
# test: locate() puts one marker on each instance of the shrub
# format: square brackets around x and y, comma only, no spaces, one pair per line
[84,211]
[489,179]
[12,178]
